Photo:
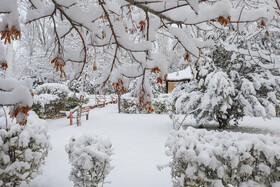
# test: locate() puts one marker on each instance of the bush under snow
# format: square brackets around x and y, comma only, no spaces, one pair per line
[90,159]
[23,149]
[211,158]
[50,98]
[162,105]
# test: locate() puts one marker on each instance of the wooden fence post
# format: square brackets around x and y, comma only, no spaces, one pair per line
[71,121]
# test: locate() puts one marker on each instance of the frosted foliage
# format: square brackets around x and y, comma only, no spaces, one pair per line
[23,149]
[129,28]
[163,104]
[43,99]
[228,87]
[213,103]
[90,160]
[208,158]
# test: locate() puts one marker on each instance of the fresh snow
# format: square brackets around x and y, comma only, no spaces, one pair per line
[138,141]
[138,144]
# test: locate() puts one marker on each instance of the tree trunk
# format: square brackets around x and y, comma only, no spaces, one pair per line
[223,123]
[119,102]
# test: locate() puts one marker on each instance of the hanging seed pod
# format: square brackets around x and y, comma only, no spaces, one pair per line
[10,34]
[142,25]
[119,86]
[155,70]
[3,65]
[224,21]
[59,63]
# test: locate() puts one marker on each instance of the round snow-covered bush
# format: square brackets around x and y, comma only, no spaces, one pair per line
[211,158]
[50,99]
[23,149]
[90,159]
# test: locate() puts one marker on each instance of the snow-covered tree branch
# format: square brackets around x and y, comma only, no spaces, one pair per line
[130,27]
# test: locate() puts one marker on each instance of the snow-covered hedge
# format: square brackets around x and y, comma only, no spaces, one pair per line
[59,90]
[48,105]
[163,104]
[23,149]
[211,158]
[51,98]
[90,159]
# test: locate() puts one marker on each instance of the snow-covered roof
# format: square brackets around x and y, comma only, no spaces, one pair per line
[180,75]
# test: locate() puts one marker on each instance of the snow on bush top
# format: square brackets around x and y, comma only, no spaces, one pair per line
[44,98]
[207,158]
[223,144]
[22,149]
[90,158]
[96,147]
[34,128]
[211,158]
[52,88]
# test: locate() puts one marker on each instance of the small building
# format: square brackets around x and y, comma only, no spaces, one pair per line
[184,75]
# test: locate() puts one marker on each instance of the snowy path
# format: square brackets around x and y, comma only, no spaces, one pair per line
[138,141]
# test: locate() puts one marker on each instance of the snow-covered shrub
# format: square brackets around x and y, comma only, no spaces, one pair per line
[23,149]
[50,98]
[162,104]
[211,158]
[129,105]
[47,105]
[74,100]
[59,90]
[90,159]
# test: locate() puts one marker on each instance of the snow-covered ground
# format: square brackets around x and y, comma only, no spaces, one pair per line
[138,142]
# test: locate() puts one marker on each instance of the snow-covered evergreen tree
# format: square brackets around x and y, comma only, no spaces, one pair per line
[229,87]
